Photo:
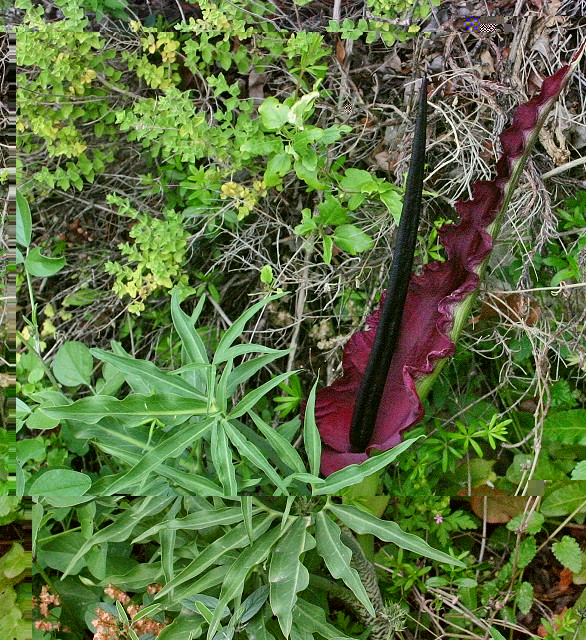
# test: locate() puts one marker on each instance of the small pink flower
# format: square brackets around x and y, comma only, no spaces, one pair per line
[438,518]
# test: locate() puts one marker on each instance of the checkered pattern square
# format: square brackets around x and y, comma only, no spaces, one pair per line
[476,25]
[486,27]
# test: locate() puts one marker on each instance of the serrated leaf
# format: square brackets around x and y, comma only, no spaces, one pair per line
[566,498]
[527,551]
[524,598]
[567,427]
[567,551]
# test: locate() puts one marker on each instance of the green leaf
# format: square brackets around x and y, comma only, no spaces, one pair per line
[122,527]
[171,447]
[358,180]
[116,441]
[73,364]
[566,498]
[254,555]
[496,635]
[278,166]
[157,380]
[252,453]
[39,420]
[567,551]
[266,274]
[273,114]
[42,266]
[285,450]
[328,243]
[222,460]
[24,223]
[301,108]
[246,370]
[93,408]
[524,597]
[236,538]
[355,473]
[311,618]
[193,346]
[309,177]
[256,629]
[61,482]
[337,557]
[331,212]
[394,203]
[567,427]
[252,397]
[363,522]
[311,437]
[196,521]
[247,512]
[527,551]
[287,574]
[225,351]
[182,628]
[352,240]
[252,605]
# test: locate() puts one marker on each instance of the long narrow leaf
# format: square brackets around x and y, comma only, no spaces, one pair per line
[287,573]
[129,449]
[246,370]
[355,473]
[363,522]
[121,528]
[233,586]
[158,380]
[337,557]
[251,398]
[173,445]
[236,538]
[312,618]
[224,350]
[281,445]
[311,437]
[222,460]
[198,520]
[195,351]
[93,408]
[249,451]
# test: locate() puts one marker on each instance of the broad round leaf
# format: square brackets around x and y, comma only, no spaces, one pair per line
[73,364]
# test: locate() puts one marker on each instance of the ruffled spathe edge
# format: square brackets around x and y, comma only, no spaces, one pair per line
[428,315]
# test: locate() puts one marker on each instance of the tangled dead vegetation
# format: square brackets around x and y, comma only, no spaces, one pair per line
[475,83]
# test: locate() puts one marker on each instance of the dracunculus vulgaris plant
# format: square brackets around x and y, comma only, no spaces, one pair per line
[389,367]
